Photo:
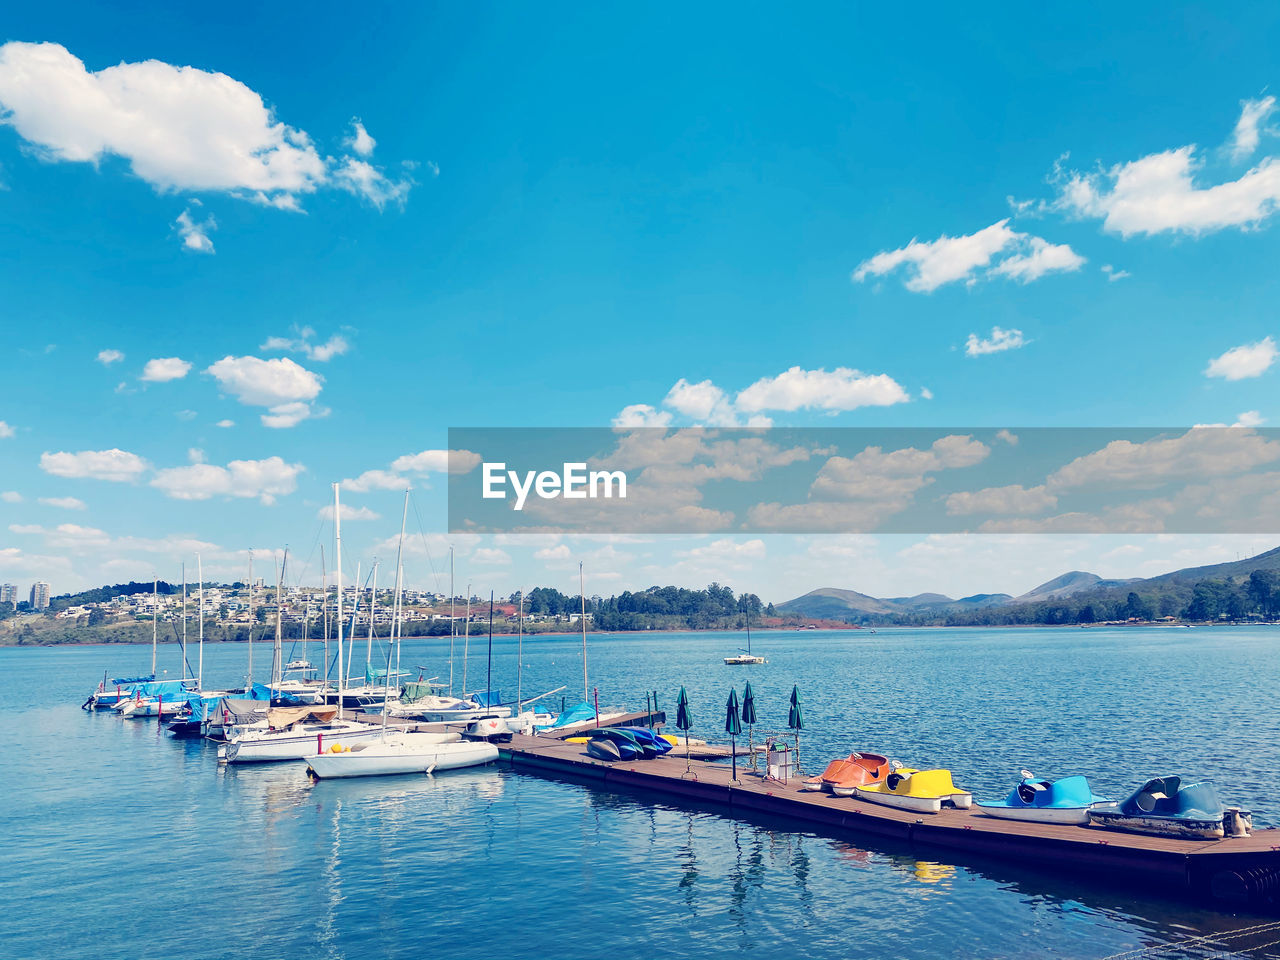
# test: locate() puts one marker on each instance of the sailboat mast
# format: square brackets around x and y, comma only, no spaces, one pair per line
[200,670]
[748,628]
[520,657]
[337,547]
[324,614]
[488,678]
[466,641]
[453,620]
[248,680]
[583,597]
[397,622]
[355,616]
[277,674]
[373,606]
[184,620]
[155,621]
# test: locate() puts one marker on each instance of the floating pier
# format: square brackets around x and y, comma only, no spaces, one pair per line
[1233,871]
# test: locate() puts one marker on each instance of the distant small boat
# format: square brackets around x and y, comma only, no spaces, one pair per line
[842,776]
[401,753]
[1164,807]
[923,791]
[1068,800]
[745,657]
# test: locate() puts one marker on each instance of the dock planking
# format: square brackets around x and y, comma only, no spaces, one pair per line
[1238,870]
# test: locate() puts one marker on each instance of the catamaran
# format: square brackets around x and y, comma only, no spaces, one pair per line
[746,656]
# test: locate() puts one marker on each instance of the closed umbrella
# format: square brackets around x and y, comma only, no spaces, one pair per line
[749,718]
[684,720]
[795,720]
[733,727]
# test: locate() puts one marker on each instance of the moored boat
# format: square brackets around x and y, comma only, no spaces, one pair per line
[1164,807]
[844,775]
[924,791]
[292,733]
[1067,800]
[401,753]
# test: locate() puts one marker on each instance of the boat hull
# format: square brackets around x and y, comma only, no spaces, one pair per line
[961,801]
[474,713]
[1078,816]
[378,760]
[1187,828]
[289,745]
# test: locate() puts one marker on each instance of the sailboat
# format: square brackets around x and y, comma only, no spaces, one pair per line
[746,656]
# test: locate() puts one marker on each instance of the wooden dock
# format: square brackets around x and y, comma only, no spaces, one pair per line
[1241,870]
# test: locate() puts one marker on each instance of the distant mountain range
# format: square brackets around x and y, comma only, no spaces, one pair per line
[1077,587]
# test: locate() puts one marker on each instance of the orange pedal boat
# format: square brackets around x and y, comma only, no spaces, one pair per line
[855,770]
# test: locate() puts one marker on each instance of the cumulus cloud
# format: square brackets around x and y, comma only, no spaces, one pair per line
[6,431]
[641,415]
[1159,194]
[1245,361]
[1253,114]
[164,369]
[375,480]
[413,464]
[195,236]
[108,357]
[702,401]
[840,389]
[999,340]
[1013,499]
[63,503]
[348,513]
[490,556]
[224,424]
[1198,454]
[261,479]
[115,464]
[1113,274]
[360,142]
[11,496]
[178,128]
[286,388]
[303,341]
[932,263]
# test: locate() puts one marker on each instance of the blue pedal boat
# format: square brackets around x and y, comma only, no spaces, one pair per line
[1165,807]
[1067,800]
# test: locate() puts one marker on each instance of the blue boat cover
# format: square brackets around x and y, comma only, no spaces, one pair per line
[579,713]
[129,681]
[1166,797]
[489,698]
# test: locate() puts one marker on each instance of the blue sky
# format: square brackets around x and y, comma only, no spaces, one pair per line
[551,220]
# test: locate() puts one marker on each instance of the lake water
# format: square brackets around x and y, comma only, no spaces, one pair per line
[119,841]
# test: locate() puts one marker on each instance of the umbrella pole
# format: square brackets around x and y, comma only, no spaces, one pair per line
[733,750]
[751,743]
[688,766]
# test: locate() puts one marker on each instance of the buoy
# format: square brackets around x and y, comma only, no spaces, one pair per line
[336,748]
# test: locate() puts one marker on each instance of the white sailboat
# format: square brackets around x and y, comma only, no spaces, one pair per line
[746,656]
[401,753]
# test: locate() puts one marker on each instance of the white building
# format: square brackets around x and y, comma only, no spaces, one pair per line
[39,595]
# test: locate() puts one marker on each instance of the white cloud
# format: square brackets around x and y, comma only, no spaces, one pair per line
[702,401]
[263,479]
[360,142]
[63,503]
[1158,194]
[1008,437]
[841,389]
[114,464]
[1253,113]
[1042,258]
[560,552]
[280,384]
[365,180]
[926,393]
[933,263]
[1198,454]
[179,128]
[186,415]
[11,496]
[195,236]
[437,461]
[348,512]
[1013,499]
[225,424]
[999,340]
[375,480]
[1247,419]
[1247,360]
[6,431]
[641,415]
[108,357]
[490,555]
[1113,274]
[164,369]
[303,342]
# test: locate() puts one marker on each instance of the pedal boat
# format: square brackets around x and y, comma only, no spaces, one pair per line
[842,776]
[1165,808]
[922,791]
[1068,800]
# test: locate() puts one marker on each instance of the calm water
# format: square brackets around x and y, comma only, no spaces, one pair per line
[122,842]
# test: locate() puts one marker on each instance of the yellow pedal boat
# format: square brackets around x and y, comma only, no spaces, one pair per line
[922,791]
